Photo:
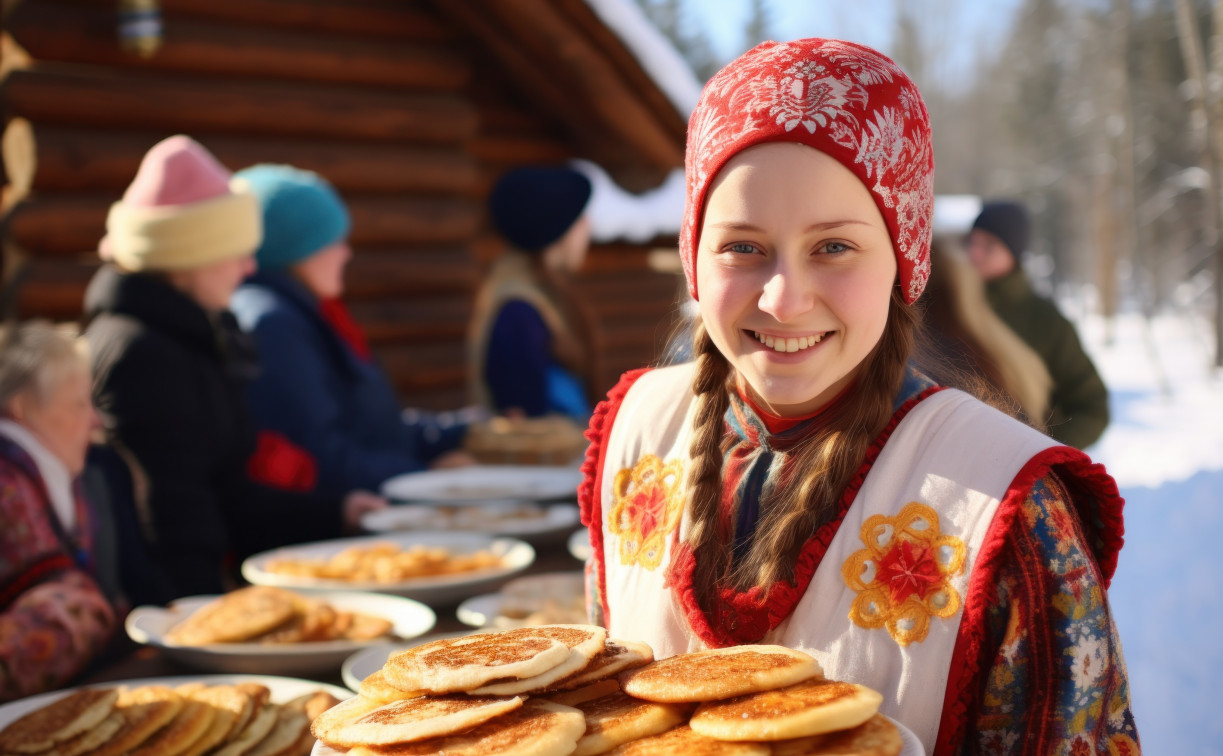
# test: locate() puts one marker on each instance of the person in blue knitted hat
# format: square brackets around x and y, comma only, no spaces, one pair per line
[528,345]
[319,386]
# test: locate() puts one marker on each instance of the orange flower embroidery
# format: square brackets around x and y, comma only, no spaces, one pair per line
[647,507]
[903,576]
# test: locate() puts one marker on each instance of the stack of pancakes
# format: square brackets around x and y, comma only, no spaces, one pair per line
[556,690]
[156,720]
[262,614]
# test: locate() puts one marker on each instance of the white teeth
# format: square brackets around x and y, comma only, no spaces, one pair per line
[793,344]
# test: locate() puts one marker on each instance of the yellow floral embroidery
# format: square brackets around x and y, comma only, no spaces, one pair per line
[647,507]
[903,576]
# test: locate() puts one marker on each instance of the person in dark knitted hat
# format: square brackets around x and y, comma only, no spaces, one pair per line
[319,385]
[1078,401]
[526,344]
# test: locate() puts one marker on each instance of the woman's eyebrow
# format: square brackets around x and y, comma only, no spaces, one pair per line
[821,226]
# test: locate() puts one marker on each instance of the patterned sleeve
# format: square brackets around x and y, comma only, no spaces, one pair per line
[1055,681]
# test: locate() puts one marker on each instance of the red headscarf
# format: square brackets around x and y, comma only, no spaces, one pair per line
[841,98]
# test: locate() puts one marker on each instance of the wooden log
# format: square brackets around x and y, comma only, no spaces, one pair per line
[53,289]
[65,158]
[425,367]
[375,272]
[500,152]
[56,31]
[70,225]
[389,19]
[414,319]
[200,105]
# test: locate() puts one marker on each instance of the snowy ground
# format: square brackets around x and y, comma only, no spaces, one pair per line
[1165,448]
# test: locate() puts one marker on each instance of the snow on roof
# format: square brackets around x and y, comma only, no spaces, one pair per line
[617,214]
[656,54]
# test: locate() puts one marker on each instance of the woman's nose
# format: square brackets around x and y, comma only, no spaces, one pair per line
[786,296]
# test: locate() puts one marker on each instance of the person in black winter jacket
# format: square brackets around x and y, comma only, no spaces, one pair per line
[169,372]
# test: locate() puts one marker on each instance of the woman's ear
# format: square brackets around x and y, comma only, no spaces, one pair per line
[17,408]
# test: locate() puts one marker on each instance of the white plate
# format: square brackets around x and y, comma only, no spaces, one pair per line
[579,545]
[485,483]
[282,689]
[368,661]
[910,745]
[552,520]
[530,593]
[515,557]
[149,625]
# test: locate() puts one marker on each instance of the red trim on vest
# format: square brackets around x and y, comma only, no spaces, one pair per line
[1104,529]
[590,491]
[756,612]
[337,315]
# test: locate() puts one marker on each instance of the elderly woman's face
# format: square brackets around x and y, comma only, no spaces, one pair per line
[63,420]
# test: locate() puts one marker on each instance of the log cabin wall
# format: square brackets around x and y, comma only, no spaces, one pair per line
[411,108]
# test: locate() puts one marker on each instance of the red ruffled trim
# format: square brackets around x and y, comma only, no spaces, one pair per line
[746,617]
[1085,481]
[279,463]
[32,576]
[589,500]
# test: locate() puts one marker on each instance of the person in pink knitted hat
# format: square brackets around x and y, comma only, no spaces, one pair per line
[170,368]
[801,483]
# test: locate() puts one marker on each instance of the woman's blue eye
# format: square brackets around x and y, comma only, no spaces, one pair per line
[742,248]
[835,248]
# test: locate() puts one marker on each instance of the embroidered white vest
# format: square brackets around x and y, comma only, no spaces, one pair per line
[938,480]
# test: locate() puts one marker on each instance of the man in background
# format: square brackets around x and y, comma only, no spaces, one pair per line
[1078,403]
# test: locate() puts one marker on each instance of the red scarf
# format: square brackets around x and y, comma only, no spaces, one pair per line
[336,314]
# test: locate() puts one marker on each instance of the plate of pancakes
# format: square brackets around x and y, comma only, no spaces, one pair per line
[481,483]
[432,567]
[225,715]
[555,598]
[274,631]
[561,690]
[367,661]
[530,521]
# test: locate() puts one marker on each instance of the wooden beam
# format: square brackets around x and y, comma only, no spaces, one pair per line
[67,158]
[556,62]
[425,367]
[59,31]
[54,289]
[416,319]
[70,225]
[387,272]
[389,19]
[105,98]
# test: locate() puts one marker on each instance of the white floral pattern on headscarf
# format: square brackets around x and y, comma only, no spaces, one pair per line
[841,98]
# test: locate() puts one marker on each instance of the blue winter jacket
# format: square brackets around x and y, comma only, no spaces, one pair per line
[317,392]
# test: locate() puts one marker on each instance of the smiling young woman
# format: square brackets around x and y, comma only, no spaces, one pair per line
[802,484]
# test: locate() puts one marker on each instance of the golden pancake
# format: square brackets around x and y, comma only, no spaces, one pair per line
[88,741]
[313,704]
[257,730]
[876,737]
[64,718]
[145,710]
[588,693]
[417,719]
[303,746]
[376,688]
[235,617]
[580,654]
[230,707]
[311,620]
[538,728]
[290,724]
[451,665]
[259,695]
[617,656]
[188,726]
[718,673]
[682,741]
[619,718]
[335,718]
[366,627]
[811,707]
